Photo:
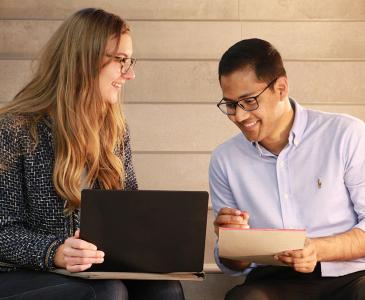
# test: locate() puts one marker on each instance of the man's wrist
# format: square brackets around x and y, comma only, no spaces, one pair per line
[317,243]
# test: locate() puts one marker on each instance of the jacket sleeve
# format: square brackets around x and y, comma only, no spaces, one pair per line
[19,245]
[130,177]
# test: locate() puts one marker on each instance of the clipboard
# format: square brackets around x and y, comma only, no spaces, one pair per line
[259,245]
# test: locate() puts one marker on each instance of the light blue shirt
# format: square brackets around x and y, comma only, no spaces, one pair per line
[317,182]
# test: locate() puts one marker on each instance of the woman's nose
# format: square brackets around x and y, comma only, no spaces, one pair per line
[130,75]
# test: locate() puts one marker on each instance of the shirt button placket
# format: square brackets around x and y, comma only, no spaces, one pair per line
[283,185]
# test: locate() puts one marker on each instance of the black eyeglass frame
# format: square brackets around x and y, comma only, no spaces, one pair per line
[236,103]
[122,61]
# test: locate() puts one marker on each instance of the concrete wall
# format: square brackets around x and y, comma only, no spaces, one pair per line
[171,105]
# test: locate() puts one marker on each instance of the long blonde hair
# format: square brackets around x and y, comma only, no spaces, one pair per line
[87,131]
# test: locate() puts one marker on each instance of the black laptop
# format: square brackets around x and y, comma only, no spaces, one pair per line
[146,231]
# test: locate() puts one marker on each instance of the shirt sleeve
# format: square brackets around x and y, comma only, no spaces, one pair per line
[19,246]
[221,196]
[130,179]
[355,169]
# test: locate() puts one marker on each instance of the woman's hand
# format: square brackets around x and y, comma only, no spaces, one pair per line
[76,255]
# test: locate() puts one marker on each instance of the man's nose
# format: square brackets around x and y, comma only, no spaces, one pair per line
[240,114]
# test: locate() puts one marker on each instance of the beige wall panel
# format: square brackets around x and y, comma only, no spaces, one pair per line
[201,127]
[311,40]
[302,10]
[183,40]
[177,127]
[129,9]
[353,110]
[164,171]
[327,82]
[177,81]
[167,40]
[194,81]
[13,76]
[197,81]
[24,38]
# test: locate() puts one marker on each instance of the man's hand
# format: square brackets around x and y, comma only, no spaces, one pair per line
[76,255]
[231,218]
[303,260]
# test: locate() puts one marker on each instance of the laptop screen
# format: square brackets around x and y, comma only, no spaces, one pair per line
[146,231]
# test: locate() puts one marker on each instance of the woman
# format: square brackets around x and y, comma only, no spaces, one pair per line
[62,132]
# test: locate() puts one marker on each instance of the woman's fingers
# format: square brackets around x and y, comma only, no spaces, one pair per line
[68,251]
[78,268]
[79,244]
[79,255]
[71,260]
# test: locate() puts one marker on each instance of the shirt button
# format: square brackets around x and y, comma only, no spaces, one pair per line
[286,196]
[281,164]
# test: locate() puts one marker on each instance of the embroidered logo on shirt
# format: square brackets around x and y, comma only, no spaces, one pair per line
[319,183]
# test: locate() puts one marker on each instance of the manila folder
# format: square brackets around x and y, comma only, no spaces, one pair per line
[259,245]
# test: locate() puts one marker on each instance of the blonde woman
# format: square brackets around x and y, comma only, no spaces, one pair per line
[62,132]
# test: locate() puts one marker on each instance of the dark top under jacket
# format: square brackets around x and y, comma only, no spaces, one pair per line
[32,219]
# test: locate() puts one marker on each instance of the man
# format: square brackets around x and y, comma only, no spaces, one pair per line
[292,168]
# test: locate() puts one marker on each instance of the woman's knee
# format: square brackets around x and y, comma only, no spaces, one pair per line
[174,289]
[110,290]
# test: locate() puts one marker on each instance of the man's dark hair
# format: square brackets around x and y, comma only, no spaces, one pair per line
[257,54]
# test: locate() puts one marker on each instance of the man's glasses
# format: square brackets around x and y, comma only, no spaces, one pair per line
[126,63]
[228,106]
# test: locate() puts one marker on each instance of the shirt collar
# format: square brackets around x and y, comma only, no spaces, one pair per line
[299,124]
[297,130]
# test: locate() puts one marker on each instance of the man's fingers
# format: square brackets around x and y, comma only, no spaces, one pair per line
[229,219]
[295,253]
[229,211]
[295,260]
[240,226]
[285,259]
[303,269]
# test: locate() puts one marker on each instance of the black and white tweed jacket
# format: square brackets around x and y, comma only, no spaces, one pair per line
[32,219]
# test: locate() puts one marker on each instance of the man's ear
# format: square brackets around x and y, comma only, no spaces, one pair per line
[282,87]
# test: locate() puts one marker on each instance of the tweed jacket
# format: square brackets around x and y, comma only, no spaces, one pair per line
[32,219]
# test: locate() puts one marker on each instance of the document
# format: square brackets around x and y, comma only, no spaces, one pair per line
[259,245]
[133,275]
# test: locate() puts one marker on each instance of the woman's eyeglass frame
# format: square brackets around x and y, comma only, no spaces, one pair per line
[126,63]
